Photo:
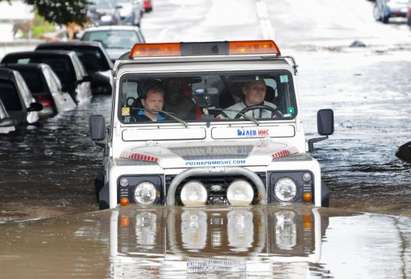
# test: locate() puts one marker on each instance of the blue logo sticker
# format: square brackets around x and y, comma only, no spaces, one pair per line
[246,133]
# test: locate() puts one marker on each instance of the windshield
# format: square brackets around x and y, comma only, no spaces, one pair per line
[207,97]
[117,39]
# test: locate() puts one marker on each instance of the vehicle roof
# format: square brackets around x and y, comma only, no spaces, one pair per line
[68,44]
[205,58]
[40,53]
[29,66]
[112,27]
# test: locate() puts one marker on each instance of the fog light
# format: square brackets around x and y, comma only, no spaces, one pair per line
[285,189]
[240,193]
[123,182]
[193,193]
[307,177]
[145,193]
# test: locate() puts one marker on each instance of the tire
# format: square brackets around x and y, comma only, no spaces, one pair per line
[102,191]
[325,195]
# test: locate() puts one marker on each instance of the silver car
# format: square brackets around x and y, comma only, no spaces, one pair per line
[117,40]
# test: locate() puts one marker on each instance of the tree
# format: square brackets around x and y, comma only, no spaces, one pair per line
[61,11]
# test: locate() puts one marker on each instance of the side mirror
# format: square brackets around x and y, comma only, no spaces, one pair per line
[87,79]
[325,122]
[35,107]
[97,126]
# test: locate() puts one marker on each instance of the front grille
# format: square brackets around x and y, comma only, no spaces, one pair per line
[214,197]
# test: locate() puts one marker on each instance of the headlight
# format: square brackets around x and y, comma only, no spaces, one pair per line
[240,193]
[285,189]
[193,193]
[145,193]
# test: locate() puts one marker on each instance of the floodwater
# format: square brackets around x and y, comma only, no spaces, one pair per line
[258,242]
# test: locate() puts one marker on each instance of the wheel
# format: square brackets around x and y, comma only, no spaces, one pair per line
[325,195]
[274,111]
[102,193]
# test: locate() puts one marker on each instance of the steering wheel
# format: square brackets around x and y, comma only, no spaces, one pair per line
[274,111]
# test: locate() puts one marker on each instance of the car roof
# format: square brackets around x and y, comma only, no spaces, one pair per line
[74,44]
[112,27]
[40,53]
[29,66]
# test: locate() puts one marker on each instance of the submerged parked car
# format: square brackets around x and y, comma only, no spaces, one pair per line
[17,99]
[386,9]
[94,58]
[115,39]
[65,64]
[7,124]
[45,87]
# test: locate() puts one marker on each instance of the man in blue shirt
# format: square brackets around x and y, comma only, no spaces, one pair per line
[153,102]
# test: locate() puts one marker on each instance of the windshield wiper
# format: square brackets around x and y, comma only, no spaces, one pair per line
[169,114]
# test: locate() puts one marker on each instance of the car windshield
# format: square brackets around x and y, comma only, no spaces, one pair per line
[117,39]
[207,97]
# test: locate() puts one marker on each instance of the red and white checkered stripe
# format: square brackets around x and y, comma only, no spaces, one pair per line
[281,154]
[139,157]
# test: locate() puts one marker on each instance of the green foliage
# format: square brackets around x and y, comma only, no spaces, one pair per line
[61,11]
[41,26]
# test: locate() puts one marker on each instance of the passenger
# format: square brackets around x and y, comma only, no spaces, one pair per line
[178,99]
[254,92]
[152,102]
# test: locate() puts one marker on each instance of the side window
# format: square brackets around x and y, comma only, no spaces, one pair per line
[9,96]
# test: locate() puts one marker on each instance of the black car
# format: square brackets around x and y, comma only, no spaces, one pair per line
[94,59]
[7,124]
[45,87]
[65,64]
[17,99]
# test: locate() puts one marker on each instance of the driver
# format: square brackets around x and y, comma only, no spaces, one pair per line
[254,94]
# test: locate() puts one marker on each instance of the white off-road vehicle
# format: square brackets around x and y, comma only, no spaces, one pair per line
[226,128]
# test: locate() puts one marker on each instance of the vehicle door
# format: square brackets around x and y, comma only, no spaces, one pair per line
[62,100]
[27,98]
[10,98]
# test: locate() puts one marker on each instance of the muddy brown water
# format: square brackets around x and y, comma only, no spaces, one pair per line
[256,242]
[49,169]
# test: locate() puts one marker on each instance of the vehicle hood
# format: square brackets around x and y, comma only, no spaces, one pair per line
[214,154]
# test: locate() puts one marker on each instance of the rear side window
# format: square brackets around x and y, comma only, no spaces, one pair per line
[62,67]
[35,81]
[9,96]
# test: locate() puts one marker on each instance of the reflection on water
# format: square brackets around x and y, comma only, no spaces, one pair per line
[262,242]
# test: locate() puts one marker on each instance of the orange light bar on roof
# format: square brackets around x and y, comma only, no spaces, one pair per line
[253,47]
[155,49]
[205,48]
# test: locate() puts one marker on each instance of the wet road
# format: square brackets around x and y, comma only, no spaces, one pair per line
[49,170]
[258,242]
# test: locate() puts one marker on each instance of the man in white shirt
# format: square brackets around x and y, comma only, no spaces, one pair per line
[253,104]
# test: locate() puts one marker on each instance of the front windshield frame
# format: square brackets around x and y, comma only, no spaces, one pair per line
[265,73]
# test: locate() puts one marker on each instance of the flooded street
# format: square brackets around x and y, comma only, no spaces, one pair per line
[258,242]
[51,228]
[49,169]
